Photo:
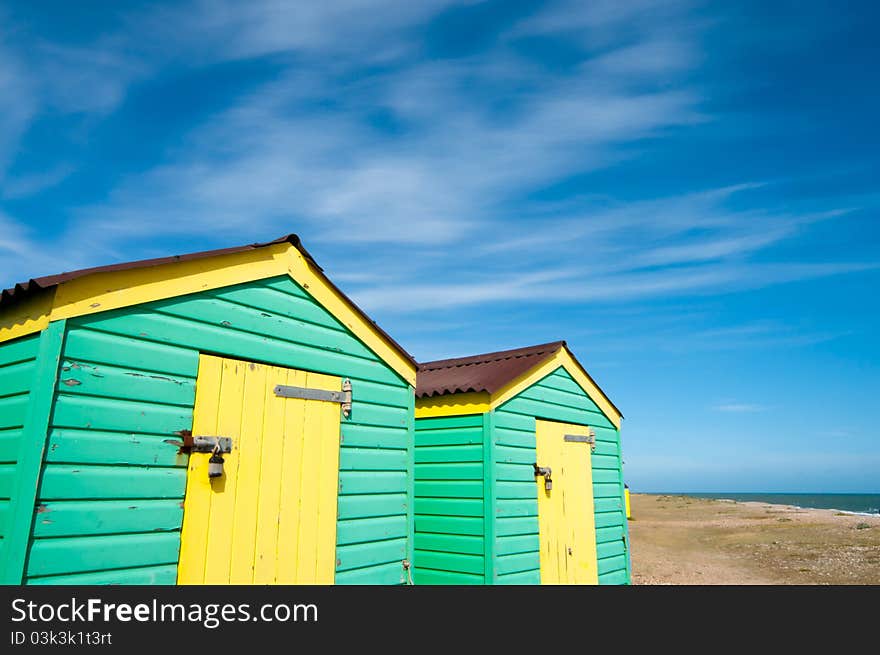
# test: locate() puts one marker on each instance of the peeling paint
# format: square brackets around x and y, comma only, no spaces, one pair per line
[70,382]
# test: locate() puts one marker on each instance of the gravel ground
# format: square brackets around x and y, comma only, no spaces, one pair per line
[683,540]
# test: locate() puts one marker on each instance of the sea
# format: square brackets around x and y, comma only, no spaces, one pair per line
[854,503]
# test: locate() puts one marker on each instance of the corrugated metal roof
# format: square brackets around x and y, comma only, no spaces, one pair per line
[34,286]
[488,372]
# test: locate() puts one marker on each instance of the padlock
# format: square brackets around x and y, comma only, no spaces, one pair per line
[548,483]
[215,465]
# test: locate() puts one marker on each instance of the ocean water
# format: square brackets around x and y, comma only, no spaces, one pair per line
[856,503]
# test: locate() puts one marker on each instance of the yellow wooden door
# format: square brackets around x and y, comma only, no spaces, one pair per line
[566,523]
[271,517]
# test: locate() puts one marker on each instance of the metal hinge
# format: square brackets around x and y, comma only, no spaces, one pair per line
[581,438]
[304,393]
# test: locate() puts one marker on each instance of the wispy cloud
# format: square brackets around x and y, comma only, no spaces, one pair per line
[440,158]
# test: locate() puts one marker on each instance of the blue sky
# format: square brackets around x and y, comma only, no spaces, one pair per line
[686,192]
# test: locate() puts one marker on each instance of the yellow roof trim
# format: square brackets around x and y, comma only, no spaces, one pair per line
[29,316]
[456,404]
[564,359]
[305,274]
[103,291]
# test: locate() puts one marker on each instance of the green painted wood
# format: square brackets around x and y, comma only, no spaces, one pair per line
[390,573]
[150,575]
[129,387]
[372,459]
[606,490]
[516,526]
[518,563]
[556,397]
[452,562]
[449,500]
[490,495]
[7,479]
[610,549]
[87,345]
[31,447]
[10,441]
[191,333]
[125,383]
[449,506]
[616,576]
[365,506]
[451,543]
[449,489]
[530,577]
[515,438]
[356,556]
[450,471]
[299,308]
[509,507]
[516,490]
[429,577]
[16,378]
[517,544]
[71,446]
[449,437]
[13,410]
[448,525]
[84,481]
[73,518]
[93,413]
[372,482]
[449,454]
[608,519]
[365,391]
[368,436]
[81,554]
[511,455]
[449,422]
[381,528]
[608,505]
[521,473]
[4,516]
[411,488]
[19,350]
[219,312]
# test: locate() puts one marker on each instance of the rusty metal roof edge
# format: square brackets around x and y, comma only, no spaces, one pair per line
[35,285]
[527,351]
[551,348]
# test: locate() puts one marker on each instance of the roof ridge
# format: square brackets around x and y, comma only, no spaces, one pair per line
[485,358]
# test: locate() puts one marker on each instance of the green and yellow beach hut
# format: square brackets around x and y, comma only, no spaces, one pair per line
[518,475]
[226,416]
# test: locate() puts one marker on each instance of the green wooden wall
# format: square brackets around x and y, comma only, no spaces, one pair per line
[453,489]
[112,482]
[17,371]
[449,506]
[559,398]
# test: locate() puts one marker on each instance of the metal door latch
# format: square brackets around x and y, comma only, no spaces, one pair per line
[211,445]
[545,471]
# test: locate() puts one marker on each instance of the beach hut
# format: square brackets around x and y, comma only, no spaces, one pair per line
[518,475]
[220,417]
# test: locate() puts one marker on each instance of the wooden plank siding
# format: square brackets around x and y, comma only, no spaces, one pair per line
[557,397]
[17,371]
[449,500]
[112,485]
